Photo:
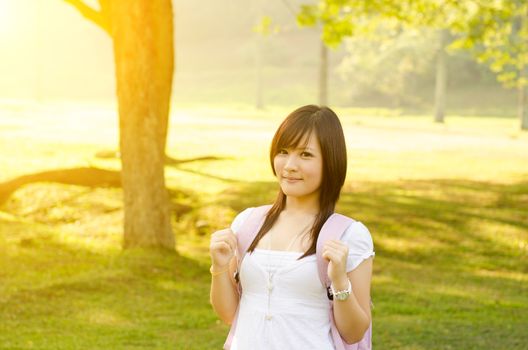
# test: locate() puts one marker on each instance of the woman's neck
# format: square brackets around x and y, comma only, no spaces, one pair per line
[302,206]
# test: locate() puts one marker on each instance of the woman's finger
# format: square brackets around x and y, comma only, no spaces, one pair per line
[337,250]
[232,240]
[226,236]
[221,245]
[336,244]
[331,256]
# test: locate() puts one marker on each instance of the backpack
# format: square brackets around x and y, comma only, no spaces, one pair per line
[333,228]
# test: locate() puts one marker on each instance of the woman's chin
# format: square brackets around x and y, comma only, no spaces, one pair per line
[292,193]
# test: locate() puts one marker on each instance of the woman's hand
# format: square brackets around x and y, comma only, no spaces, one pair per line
[336,252]
[222,248]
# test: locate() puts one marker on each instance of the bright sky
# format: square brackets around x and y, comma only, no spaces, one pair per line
[11,14]
[48,50]
[5,19]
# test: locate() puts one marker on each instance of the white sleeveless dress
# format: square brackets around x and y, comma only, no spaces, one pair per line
[291,312]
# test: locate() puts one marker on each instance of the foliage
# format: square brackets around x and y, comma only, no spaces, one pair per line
[342,18]
[496,32]
[266,27]
[389,66]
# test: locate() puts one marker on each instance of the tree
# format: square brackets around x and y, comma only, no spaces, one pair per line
[309,15]
[262,30]
[323,75]
[441,77]
[388,63]
[142,36]
[496,33]
[342,19]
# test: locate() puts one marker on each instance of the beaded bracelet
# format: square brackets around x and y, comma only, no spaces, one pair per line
[218,272]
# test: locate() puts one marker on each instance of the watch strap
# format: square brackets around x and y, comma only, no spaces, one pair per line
[341,294]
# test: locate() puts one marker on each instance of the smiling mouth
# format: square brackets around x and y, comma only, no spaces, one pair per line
[291,179]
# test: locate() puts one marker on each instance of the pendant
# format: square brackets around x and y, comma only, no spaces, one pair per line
[270,284]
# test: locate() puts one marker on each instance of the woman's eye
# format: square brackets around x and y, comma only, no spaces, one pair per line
[283,151]
[306,154]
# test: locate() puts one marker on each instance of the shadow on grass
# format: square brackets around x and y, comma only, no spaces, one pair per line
[450,254]
[81,297]
[450,272]
[92,177]
[442,213]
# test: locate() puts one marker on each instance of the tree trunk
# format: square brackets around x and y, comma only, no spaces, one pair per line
[441,79]
[323,75]
[258,63]
[522,111]
[38,48]
[522,101]
[142,32]
[259,43]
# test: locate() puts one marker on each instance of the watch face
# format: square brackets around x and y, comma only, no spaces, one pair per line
[343,296]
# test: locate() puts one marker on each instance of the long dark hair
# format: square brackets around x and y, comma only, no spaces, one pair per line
[325,123]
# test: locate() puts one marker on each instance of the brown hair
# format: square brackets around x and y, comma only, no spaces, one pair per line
[300,122]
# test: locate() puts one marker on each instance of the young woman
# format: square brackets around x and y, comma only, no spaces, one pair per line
[284,304]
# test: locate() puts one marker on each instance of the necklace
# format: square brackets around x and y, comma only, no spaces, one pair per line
[272,274]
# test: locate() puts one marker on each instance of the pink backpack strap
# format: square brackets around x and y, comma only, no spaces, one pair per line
[249,229]
[334,228]
[245,236]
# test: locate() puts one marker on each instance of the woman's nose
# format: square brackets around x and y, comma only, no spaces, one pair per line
[291,162]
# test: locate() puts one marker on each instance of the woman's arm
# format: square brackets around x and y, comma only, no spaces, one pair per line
[224,293]
[352,316]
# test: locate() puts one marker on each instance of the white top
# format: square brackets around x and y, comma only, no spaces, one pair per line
[290,311]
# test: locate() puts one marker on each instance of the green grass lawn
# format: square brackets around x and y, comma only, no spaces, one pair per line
[447,206]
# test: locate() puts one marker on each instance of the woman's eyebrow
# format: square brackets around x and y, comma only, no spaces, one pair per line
[301,148]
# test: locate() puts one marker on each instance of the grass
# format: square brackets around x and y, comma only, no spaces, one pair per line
[446,205]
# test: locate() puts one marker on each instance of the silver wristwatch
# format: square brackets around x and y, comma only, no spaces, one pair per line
[342,294]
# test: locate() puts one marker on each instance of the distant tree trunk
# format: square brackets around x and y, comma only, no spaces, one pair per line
[323,75]
[522,109]
[441,79]
[142,33]
[258,78]
[259,43]
[38,48]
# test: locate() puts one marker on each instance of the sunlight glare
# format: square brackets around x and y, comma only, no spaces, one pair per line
[6,17]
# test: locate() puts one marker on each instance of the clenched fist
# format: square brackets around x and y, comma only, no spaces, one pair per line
[336,252]
[222,248]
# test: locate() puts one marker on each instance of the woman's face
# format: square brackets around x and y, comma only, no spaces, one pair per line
[300,170]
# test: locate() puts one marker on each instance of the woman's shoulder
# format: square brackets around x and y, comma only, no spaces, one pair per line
[357,231]
[360,245]
[245,214]
[240,218]
[358,228]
